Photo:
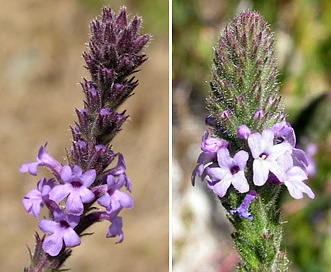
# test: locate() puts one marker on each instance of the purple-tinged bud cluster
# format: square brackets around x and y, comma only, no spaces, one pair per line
[113,54]
[244,77]
[274,159]
[88,179]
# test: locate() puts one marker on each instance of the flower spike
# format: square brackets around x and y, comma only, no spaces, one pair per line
[88,188]
[253,149]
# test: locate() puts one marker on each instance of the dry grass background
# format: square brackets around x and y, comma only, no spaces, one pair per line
[41,65]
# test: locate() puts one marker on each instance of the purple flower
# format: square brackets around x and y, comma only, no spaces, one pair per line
[119,169]
[242,210]
[265,154]
[114,199]
[43,159]
[104,112]
[225,114]
[258,115]
[283,132]
[33,201]
[293,178]
[211,121]
[230,171]
[199,170]
[115,229]
[75,187]
[209,146]
[243,132]
[300,159]
[63,231]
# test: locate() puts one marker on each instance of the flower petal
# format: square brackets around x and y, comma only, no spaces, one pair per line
[74,204]
[223,158]
[66,173]
[267,139]
[254,143]
[104,200]
[124,199]
[239,182]
[53,244]
[221,187]
[216,173]
[86,195]
[293,190]
[279,150]
[241,158]
[70,238]
[59,192]
[32,168]
[88,177]
[48,226]
[115,229]
[260,172]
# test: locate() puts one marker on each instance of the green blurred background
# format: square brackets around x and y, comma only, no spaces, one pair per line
[41,65]
[303,48]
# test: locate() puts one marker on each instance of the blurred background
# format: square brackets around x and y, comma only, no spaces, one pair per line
[41,66]
[201,233]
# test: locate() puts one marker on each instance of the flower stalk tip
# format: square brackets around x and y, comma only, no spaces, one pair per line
[244,83]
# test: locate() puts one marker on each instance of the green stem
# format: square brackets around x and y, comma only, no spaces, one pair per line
[258,241]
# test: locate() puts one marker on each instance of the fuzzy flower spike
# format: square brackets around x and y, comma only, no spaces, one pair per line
[252,151]
[91,175]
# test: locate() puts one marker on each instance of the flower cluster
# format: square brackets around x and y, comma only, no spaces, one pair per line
[272,153]
[88,179]
[69,194]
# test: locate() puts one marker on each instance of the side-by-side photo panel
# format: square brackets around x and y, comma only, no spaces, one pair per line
[84,165]
[251,136]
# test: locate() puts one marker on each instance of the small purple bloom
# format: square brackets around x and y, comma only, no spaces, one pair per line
[271,100]
[62,229]
[293,178]
[211,121]
[115,229]
[230,171]
[104,112]
[43,159]
[265,154]
[258,115]
[99,147]
[120,169]
[33,201]
[209,146]
[84,111]
[81,145]
[203,159]
[243,132]
[75,187]
[114,199]
[225,114]
[93,92]
[242,210]
[283,132]
[300,159]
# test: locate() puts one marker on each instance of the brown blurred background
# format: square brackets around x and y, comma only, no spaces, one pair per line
[41,65]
